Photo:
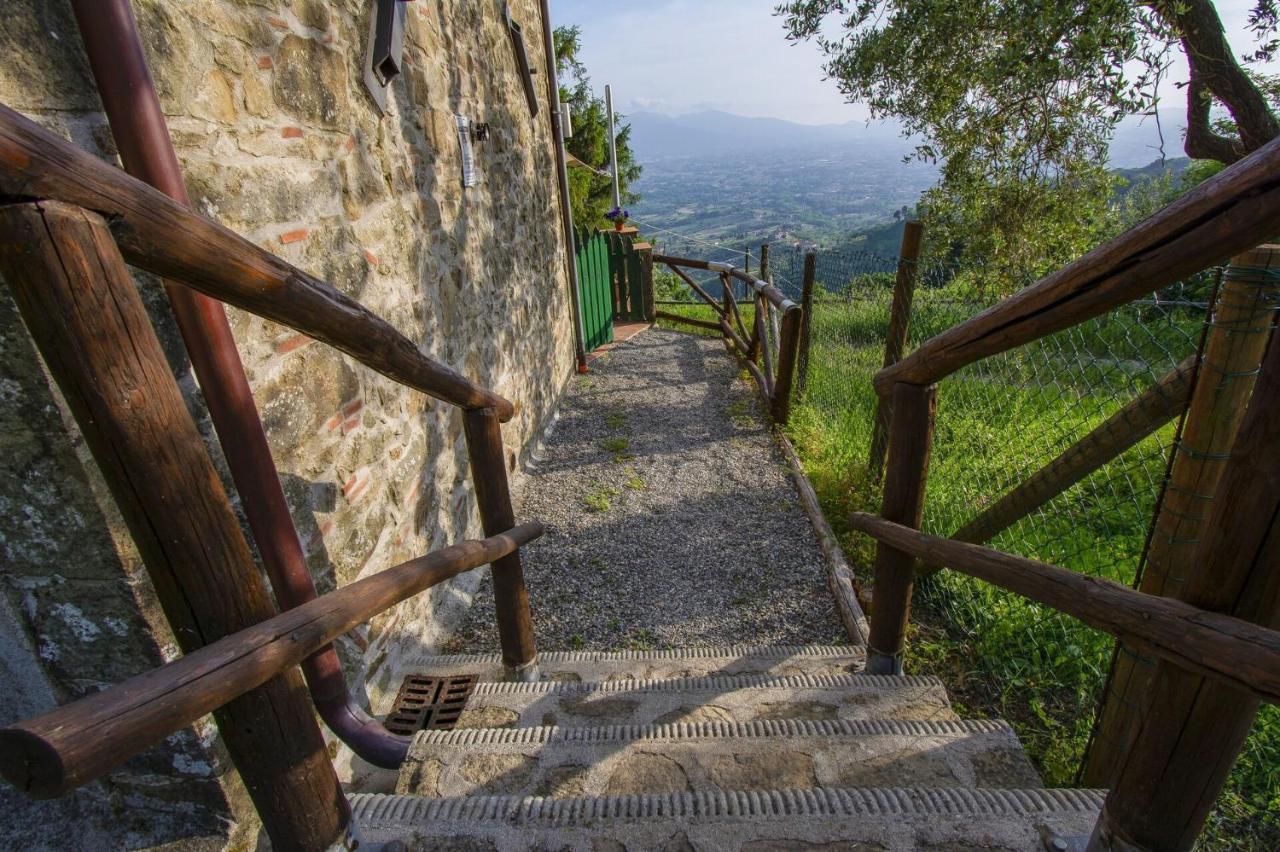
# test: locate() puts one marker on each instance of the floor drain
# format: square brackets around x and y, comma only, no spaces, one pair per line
[429,703]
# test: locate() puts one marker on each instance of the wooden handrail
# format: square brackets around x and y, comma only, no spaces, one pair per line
[1231,212]
[162,236]
[1140,418]
[697,288]
[58,751]
[764,288]
[1227,649]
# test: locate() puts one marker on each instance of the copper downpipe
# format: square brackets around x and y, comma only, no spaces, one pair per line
[111,40]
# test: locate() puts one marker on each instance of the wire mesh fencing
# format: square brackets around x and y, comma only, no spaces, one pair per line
[1058,451]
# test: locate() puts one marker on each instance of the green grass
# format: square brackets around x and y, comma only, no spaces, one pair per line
[998,421]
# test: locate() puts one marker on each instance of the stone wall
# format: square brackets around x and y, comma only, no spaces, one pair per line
[280,141]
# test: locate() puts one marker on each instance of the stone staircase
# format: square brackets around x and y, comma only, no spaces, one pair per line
[733,748]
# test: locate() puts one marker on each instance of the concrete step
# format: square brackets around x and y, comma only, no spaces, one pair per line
[818,820]
[759,755]
[723,698]
[657,665]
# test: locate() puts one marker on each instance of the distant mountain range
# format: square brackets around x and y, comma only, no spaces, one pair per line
[656,137]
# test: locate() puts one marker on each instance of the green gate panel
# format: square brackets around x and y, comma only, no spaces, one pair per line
[595,291]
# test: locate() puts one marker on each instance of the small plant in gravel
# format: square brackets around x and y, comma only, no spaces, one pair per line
[616,419]
[620,448]
[576,642]
[643,640]
[597,499]
[634,480]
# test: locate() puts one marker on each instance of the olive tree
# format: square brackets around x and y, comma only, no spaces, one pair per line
[1020,99]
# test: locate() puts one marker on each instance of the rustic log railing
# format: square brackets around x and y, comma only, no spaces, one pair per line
[54,753]
[1179,723]
[68,223]
[774,376]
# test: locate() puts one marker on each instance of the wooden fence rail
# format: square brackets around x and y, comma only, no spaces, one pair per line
[775,380]
[1230,650]
[158,234]
[71,223]
[1232,212]
[52,754]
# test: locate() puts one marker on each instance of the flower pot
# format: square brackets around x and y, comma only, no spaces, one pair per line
[618,225]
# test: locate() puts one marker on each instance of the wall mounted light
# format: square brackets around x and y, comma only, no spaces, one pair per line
[386,48]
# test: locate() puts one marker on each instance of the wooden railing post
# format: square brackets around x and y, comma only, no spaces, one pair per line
[649,311]
[493,496]
[910,445]
[806,323]
[904,289]
[1190,730]
[1233,351]
[788,348]
[88,321]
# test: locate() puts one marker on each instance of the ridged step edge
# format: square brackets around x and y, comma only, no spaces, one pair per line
[766,652]
[759,728]
[374,809]
[711,682]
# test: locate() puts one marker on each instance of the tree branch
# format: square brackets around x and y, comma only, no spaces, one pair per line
[1214,70]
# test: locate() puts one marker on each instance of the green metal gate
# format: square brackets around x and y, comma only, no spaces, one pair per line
[595,288]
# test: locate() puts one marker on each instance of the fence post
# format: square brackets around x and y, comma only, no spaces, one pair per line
[510,595]
[764,262]
[86,318]
[903,503]
[649,308]
[806,322]
[904,288]
[788,348]
[1189,730]
[1233,352]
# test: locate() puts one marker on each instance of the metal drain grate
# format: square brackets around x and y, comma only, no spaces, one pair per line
[429,703]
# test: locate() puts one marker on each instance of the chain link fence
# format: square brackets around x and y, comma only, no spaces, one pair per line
[1080,426]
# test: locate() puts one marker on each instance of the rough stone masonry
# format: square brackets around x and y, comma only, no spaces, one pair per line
[280,141]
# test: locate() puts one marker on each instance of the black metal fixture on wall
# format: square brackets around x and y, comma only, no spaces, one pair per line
[386,48]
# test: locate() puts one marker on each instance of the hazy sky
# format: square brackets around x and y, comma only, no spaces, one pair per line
[678,56]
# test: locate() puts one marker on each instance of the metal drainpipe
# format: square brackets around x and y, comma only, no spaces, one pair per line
[562,172]
[111,41]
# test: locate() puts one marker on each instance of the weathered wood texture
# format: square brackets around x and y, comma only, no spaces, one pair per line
[162,236]
[1235,210]
[908,469]
[1233,352]
[731,307]
[646,271]
[88,321]
[1230,650]
[697,323]
[1140,418]
[840,576]
[775,296]
[53,753]
[1191,728]
[761,342]
[697,288]
[788,351]
[806,323]
[493,496]
[895,342]
[741,350]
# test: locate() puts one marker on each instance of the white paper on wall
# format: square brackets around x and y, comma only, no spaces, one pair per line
[469,177]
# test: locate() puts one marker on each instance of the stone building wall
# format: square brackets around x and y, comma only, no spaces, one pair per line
[279,140]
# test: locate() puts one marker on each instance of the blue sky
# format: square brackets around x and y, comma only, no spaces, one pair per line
[677,56]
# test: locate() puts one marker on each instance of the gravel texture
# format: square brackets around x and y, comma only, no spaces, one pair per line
[672,519]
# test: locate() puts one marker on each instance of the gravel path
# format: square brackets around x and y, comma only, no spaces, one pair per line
[671,517]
